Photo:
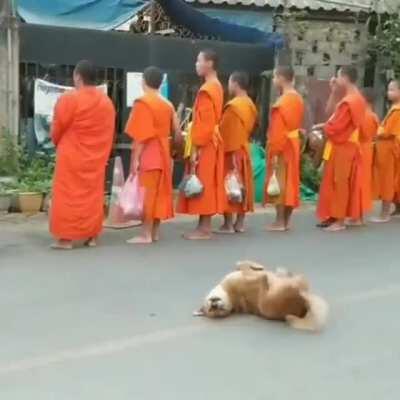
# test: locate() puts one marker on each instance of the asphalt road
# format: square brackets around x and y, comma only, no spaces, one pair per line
[115,322]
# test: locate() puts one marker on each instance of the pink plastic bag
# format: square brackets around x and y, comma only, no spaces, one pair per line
[131,198]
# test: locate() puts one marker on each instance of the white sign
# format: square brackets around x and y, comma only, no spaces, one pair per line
[134,88]
[45,99]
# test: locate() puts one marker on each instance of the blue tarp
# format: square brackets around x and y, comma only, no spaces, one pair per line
[197,22]
[261,20]
[92,14]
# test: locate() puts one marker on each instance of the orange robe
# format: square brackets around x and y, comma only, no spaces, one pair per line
[386,170]
[83,132]
[236,127]
[207,139]
[340,193]
[283,142]
[368,131]
[150,123]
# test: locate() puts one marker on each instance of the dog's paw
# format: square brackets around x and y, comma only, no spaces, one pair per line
[282,272]
[246,265]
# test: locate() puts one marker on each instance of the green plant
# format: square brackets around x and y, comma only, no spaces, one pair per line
[36,173]
[310,176]
[7,188]
[9,154]
[385,45]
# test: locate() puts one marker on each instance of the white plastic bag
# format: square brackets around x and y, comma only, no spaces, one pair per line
[234,188]
[273,188]
[191,186]
[131,198]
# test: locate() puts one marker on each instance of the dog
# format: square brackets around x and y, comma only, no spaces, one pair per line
[279,296]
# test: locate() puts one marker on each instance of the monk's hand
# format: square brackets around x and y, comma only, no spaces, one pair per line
[333,83]
[275,163]
[135,169]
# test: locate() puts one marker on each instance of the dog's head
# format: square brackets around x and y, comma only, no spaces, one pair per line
[216,305]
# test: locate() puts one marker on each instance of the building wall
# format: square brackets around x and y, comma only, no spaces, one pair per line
[318,48]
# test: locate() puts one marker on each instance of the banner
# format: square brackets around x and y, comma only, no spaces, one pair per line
[134,88]
[45,99]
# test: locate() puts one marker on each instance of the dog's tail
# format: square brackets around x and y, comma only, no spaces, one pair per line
[316,317]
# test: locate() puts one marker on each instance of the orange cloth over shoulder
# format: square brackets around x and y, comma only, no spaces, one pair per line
[340,193]
[206,138]
[368,131]
[237,124]
[283,140]
[386,169]
[83,132]
[150,123]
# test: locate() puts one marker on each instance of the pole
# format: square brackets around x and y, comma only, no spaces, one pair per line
[152,24]
[9,67]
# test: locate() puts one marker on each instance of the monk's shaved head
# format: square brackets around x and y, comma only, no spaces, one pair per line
[285,71]
[153,77]
[350,72]
[86,72]
[394,91]
[211,56]
[241,78]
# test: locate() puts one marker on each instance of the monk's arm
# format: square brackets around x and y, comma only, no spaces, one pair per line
[276,137]
[176,127]
[204,122]
[63,117]
[137,154]
[140,125]
[338,123]
[231,136]
[140,128]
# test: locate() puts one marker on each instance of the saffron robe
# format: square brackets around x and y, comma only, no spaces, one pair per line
[386,169]
[83,132]
[237,124]
[283,142]
[340,193]
[207,141]
[150,123]
[368,131]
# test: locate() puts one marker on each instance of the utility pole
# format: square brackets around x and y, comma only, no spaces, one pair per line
[9,67]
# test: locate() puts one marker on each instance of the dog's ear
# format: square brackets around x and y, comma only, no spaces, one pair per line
[249,265]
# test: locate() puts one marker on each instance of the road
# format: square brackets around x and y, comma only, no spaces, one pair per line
[115,322]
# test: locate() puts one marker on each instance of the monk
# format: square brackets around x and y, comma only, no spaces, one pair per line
[283,148]
[340,194]
[207,155]
[368,132]
[150,125]
[238,121]
[83,132]
[386,172]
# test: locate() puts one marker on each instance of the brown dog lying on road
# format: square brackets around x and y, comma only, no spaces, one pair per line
[279,296]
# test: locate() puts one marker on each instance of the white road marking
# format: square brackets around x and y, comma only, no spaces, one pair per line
[123,344]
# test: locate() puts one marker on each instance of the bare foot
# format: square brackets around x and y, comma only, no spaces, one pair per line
[156,237]
[335,227]
[380,220]
[92,242]
[62,245]
[140,240]
[239,227]
[197,235]
[354,223]
[226,230]
[276,227]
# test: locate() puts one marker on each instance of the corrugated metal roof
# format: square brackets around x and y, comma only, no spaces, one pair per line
[382,6]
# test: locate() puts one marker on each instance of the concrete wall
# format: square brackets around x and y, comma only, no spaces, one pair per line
[321,47]
[9,69]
